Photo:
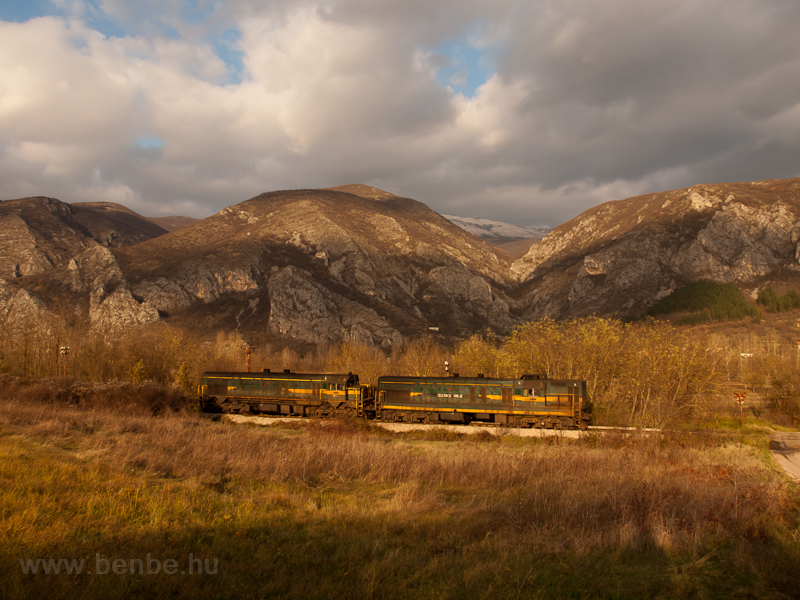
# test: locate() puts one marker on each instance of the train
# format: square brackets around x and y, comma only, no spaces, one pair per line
[527,401]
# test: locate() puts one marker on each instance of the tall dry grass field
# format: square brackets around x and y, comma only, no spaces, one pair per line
[346,510]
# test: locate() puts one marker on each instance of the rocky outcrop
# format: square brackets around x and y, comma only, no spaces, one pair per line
[94,274]
[18,307]
[93,269]
[301,308]
[119,310]
[37,235]
[164,294]
[197,281]
[475,295]
[112,306]
[740,243]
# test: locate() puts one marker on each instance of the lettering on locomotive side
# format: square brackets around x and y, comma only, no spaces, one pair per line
[449,395]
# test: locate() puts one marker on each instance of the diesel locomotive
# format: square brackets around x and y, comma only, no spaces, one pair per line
[528,401]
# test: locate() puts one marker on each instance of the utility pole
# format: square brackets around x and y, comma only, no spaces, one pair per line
[248,350]
[740,399]
[63,353]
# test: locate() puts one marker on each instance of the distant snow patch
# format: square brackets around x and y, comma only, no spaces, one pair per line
[486,228]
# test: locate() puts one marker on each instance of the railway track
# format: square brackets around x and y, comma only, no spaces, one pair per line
[467,429]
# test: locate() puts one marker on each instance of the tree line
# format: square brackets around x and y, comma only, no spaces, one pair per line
[645,373]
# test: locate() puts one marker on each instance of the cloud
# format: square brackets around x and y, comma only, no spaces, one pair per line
[525,111]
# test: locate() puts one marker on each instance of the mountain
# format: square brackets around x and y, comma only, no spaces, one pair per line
[359,263]
[620,257]
[489,230]
[40,233]
[313,265]
[512,239]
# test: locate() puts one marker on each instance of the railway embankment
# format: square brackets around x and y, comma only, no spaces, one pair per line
[461,429]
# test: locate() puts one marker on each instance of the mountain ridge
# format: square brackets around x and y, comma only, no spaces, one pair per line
[41,232]
[314,265]
[620,256]
[355,262]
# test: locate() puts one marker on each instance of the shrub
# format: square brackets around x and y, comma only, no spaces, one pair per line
[768,298]
[644,373]
[773,303]
[721,300]
[696,318]
[147,397]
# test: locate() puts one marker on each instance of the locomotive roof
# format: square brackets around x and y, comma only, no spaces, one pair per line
[524,380]
[447,380]
[324,377]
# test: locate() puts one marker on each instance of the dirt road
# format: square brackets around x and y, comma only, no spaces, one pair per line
[785,447]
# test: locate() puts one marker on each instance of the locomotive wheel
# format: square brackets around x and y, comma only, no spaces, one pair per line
[345,413]
[391,416]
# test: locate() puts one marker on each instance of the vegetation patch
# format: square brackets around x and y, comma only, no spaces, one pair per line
[710,300]
[342,512]
[774,303]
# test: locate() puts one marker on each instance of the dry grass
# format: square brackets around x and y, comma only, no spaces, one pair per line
[337,509]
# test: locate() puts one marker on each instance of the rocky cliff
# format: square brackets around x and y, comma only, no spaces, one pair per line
[618,258]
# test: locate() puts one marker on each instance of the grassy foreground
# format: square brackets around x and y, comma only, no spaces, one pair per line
[348,511]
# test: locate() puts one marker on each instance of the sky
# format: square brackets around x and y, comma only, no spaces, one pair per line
[523,111]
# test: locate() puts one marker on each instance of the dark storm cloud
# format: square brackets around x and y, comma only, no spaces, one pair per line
[582,101]
[625,89]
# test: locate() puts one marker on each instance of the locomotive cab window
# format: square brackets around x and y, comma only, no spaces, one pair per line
[533,392]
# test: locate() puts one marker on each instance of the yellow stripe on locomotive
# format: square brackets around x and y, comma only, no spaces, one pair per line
[528,401]
[532,400]
[284,393]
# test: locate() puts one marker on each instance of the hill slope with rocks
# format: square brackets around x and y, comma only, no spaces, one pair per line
[355,262]
[37,234]
[620,257]
[314,265]
[172,223]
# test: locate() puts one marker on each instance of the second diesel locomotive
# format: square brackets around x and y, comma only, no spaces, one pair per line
[528,401]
